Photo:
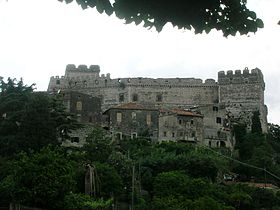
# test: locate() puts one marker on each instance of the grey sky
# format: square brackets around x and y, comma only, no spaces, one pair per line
[39,37]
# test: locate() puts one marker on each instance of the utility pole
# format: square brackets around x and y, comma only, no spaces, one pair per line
[132,187]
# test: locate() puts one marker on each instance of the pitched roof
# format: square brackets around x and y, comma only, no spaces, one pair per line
[182,112]
[186,113]
[132,105]
[129,106]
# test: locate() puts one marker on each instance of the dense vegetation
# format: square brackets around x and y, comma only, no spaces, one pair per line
[35,170]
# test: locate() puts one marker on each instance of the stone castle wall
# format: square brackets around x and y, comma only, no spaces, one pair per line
[240,92]
[171,92]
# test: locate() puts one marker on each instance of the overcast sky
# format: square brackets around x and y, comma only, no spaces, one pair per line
[38,38]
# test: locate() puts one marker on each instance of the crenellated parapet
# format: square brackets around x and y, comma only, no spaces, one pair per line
[243,93]
[161,82]
[241,77]
[82,71]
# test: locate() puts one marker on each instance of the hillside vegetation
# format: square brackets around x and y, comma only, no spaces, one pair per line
[35,170]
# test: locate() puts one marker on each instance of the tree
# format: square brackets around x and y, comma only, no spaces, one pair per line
[98,146]
[85,202]
[256,123]
[110,181]
[230,16]
[41,179]
[30,120]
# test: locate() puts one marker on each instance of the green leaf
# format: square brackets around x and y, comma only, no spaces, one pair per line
[259,23]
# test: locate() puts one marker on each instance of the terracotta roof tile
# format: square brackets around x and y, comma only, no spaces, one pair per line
[186,113]
[132,105]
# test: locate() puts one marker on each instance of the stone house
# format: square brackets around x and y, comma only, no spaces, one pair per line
[180,125]
[132,120]
[87,109]
[217,125]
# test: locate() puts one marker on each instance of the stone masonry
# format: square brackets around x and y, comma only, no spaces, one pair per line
[232,98]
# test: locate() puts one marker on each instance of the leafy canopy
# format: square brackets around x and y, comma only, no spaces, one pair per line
[30,120]
[229,16]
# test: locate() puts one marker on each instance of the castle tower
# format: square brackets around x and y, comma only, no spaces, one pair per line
[243,93]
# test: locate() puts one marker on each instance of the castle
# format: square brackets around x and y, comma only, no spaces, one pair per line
[232,98]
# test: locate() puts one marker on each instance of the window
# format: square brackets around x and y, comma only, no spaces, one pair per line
[58,82]
[90,119]
[119,136]
[121,97]
[218,120]
[191,122]
[119,117]
[181,133]
[193,134]
[135,97]
[79,117]
[173,134]
[133,135]
[180,121]
[164,134]
[133,115]
[79,106]
[215,108]
[75,139]
[149,119]
[159,98]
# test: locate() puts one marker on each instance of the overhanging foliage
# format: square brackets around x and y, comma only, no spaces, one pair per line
[229,16]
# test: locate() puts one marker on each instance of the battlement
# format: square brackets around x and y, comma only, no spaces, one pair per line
[57,77]
[238,76]
[82,71]
[168,82]
[82,68]
[245,72]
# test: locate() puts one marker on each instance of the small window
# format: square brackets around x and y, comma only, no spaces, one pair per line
[135,97]
[119,117]
[222,144]
[164,134]
[90,119]
[75,139]
[191,122]
[218,120]
[149,119]
[133,115]
[133,135]
[119,136]
[180,121]
[181,133]
[58,82]
[193,134]
[79,117]
[215,108]
[173,134]
[159,98]
[121,97]
[79,106]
